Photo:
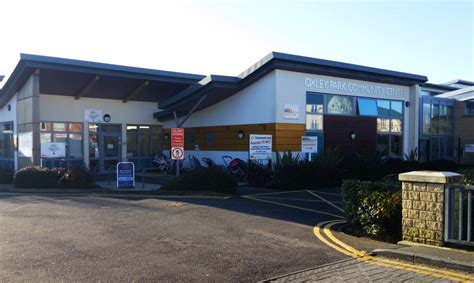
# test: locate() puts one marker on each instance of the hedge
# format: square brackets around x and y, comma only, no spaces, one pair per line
[41,178]
[374,207]
[211,179]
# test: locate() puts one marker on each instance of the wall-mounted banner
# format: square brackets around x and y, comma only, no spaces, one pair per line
[469,148]
[260,147]
[291,111]
[309,144]
[53,149]
[125,175]
[93,116]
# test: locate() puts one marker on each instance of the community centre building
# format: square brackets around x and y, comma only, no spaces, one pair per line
[105,113]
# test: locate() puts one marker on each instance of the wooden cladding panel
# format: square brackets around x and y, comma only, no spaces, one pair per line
[285,136]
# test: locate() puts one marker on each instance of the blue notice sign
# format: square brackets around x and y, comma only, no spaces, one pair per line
[125,175]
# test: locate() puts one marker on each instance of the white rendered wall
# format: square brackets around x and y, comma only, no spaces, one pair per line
[253,105]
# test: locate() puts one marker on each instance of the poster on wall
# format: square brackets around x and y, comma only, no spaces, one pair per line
[25,144]
[469,148]
[291,111]
[309,144]
[93,115]
[260,147]
[53,149]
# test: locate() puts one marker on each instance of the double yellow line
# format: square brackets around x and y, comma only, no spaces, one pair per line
[330,240]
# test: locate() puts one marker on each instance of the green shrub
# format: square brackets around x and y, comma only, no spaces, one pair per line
[77,177]
[374,207]
[468,175]
[325,170]
[38,177]
[6,176]
[259,175]
[204,179]
[41,178]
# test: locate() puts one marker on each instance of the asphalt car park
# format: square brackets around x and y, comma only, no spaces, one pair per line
[254,236]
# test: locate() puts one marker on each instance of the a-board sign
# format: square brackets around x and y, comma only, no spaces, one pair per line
[53,149]
[125,175]
[260,147]
[309,144]
[177,143]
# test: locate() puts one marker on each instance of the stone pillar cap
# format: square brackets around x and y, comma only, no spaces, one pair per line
[431,177]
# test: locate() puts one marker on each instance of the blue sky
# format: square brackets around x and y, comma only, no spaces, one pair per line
[432,38]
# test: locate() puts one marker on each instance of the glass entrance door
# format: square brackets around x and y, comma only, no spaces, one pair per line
[111,148]
[105,146]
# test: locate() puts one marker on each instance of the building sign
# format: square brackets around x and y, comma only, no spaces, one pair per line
[260,147]
[309,144]
[469,148]
[93,116]
[177,143]
[291,111]
[352,87]
[125,175]
[25,144]
[53,149]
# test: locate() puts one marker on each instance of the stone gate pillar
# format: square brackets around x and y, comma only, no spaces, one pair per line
[423,205]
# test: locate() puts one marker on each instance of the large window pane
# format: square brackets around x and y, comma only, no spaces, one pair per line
[156,145]
[132,148]
[314,122]
[469,107]
[59,127]
[426,118]
[396,147]
[434,148]
[75,145]
[383,108]
[449,120]
[442,119]
[339,105]
[144,146]
[449,147]
[367,107]
[60,137]
[314,103]
[396,126]
[75,127]
[382,143]
[397,109]
[45,137]
[434,119]
[383,125]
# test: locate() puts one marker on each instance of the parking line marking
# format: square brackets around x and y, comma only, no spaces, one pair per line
[326,201]
[274,193]
[352,252]
[296,207]
[326,193]
[297,199]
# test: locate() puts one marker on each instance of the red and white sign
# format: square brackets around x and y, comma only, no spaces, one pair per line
[177,143]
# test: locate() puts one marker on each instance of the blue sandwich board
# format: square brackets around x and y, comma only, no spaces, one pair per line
[125,175]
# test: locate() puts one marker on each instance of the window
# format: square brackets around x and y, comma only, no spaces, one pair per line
[390,127]
[314,112]
[469,108]
[144,142]
[314,122]
[338,104]
[434,118]
[190,138]
[63,132]
[209,138]
[367,107]
[426,118]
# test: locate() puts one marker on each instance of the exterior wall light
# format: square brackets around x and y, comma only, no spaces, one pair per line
[353,135]
[407,103]
[241,134]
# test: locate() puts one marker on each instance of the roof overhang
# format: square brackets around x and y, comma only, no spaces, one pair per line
[71,77]
[462,94]
[219,87]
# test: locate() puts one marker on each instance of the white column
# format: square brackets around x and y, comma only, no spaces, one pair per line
[85,137]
